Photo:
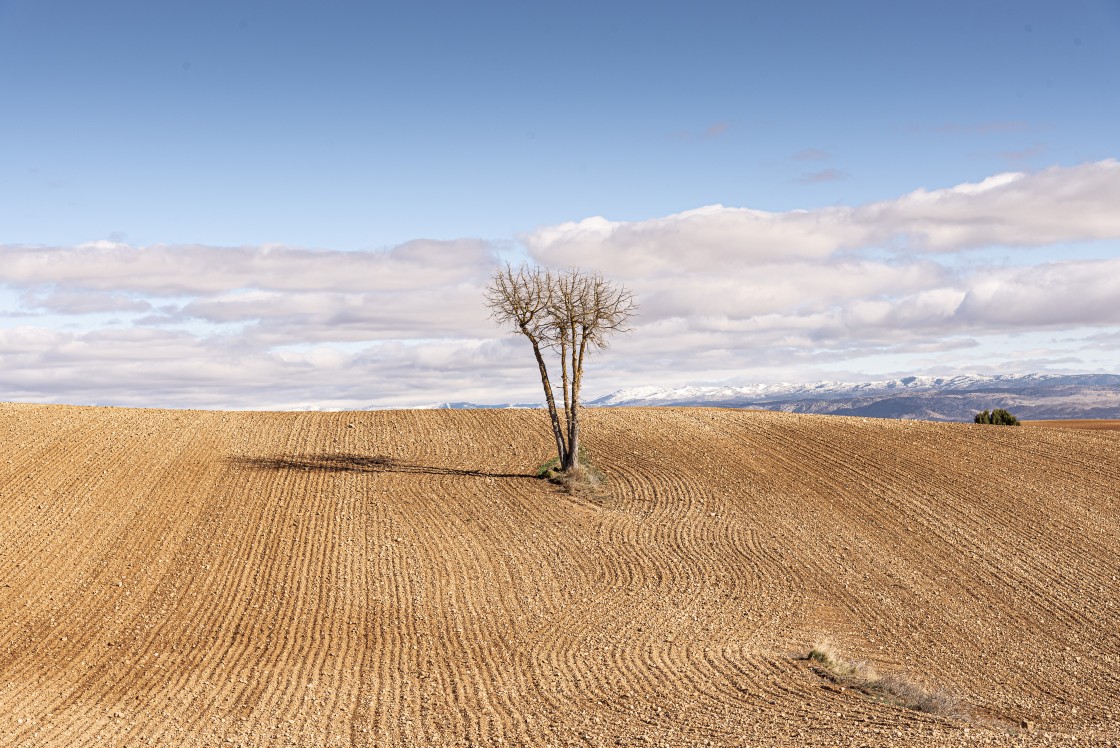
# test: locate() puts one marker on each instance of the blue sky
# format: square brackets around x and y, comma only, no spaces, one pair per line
[367,127]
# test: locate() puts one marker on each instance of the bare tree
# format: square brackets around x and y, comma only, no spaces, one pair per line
[522,299]
[571,313]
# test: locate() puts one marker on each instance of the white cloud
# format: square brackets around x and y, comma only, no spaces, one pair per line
[165,270]
[1059,294]
[151,367]
[702,239]
[241,327]
[82,302]
[725,293]
[1015,209]
[726,287]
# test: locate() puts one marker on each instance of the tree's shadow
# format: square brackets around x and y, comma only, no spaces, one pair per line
[352,463]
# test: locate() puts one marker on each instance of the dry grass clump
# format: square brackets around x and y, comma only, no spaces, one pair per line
[852,672]
[892,688]
[581,479]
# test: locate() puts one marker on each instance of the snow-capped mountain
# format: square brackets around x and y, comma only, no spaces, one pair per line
[476,406]
[1037,396]
[1028,396]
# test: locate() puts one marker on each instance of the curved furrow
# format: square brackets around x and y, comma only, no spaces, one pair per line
[486,601]
[320,629]
[911,508]
[848,606]
[47,523]
[1015,530]
[508,604]
[783,468]
[881,584]
[116,689]
[135,562]
[424,512]
[913,472]
[204,593]
[218,567]
[464,587]
[697,569]
[316,595]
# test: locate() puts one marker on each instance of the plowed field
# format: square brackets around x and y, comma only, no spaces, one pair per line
[398,578]
[1093,425]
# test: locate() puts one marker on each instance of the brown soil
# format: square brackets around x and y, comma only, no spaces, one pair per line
[397,578]
[1087,423]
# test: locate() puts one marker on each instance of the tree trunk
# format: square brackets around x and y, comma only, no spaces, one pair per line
[573,446]
[557,431]
[571,396]
[565,384]
[577,381]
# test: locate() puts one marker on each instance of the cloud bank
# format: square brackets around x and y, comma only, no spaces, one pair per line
[726,293]
[1010,210]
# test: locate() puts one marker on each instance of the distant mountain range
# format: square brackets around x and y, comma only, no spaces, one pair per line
[1028,396]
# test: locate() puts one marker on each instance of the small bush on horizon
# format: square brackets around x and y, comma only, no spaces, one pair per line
[998,417]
